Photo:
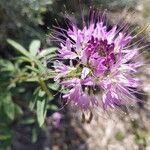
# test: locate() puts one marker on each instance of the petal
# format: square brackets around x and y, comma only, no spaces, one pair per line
[85,72]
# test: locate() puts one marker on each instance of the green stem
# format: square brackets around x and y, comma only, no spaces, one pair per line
[44,87]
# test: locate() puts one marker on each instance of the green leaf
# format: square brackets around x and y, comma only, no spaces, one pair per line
[34,98]
[32,68]
[33,79]
[51,50]
[23,58]
[64,91]
[49,56]
[6,66]
[34,47]
[4,137]
[54,86]
[46,52]
[28,121]
[41,109]
[19,48]
[34,135]
[25,52]
[52,107]
[18,110]
[10,111]
[41,112]
[41,94]
[9,106]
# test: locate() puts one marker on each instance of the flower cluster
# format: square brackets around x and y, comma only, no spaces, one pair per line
[98,67]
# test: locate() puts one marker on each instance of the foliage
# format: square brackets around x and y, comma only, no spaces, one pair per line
[28,71]
[22,20]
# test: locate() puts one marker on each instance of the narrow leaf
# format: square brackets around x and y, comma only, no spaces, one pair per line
[9,107]
[40,112]
[19,48]
[47,51]
[34,135]
[34,47]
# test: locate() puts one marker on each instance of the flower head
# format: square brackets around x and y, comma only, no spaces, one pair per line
[97,58]
[56,118]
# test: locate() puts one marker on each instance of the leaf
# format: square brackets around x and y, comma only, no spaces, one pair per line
[33,79]
[54,86]
[32,69]
[6,65]
[41,111]
[5,137]
[5,133]
[23,51]
[52,107]
[9,106]
[28,121]
[18,110]
[34,98]
[50,56]
[47,51]
[64,91]
[34,135]
[19,48]
[41,93]
[23,58]
[10,111]
[34,47]
[51,49]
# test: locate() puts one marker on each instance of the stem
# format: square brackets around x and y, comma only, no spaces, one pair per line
[44,87]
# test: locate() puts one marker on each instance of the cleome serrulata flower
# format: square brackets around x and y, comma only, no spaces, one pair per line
[97,59]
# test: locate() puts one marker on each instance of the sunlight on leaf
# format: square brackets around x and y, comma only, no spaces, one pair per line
[34,47]
[19,48]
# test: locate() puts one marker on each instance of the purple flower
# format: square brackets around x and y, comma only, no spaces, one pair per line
[56,118]
[98,60]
